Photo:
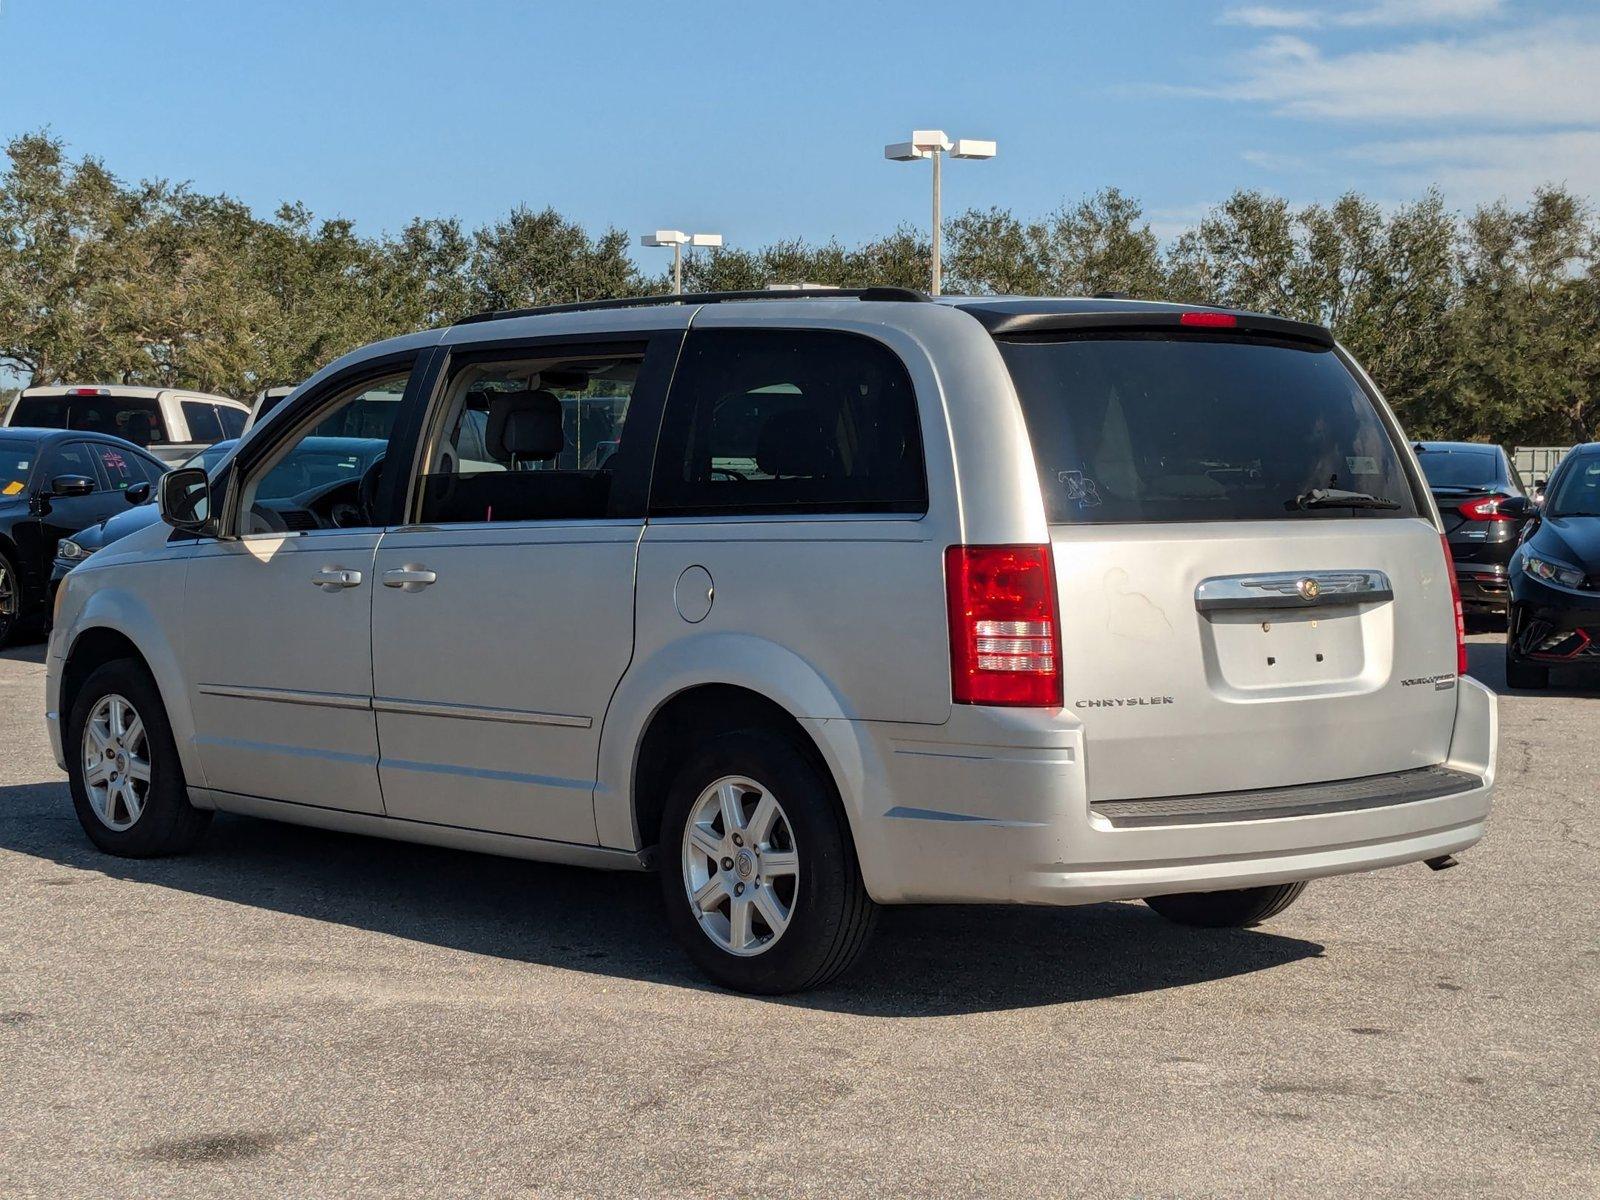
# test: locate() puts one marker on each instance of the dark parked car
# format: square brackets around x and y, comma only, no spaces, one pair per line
[1471,482]
[54,483]
[1555,576]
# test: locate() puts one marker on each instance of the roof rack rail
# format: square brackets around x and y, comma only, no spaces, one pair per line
[823,293]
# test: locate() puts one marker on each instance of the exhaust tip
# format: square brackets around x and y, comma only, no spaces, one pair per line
[1442,863]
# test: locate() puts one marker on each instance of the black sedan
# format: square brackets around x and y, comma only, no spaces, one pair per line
[1471,482]
[53,483]
[1555,576]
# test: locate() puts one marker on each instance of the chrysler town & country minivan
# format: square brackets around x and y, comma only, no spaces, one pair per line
[810,603]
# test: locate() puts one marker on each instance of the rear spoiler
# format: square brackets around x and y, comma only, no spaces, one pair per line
[1008,323]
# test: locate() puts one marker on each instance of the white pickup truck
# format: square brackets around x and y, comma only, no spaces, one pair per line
[172,424]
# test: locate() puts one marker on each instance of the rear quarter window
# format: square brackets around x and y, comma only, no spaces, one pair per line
[1156,428]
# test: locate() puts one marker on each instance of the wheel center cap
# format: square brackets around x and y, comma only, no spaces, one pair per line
[745,864]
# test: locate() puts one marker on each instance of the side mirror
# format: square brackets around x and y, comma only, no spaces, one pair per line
[185,499]
[138,493]
[72,485]
[1518,508]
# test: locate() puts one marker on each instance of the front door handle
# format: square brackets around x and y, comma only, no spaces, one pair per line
[333,579]
[409,578]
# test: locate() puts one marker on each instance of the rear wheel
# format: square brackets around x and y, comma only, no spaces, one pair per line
[122,764]
[758,869]
[1238,909]
[10,599]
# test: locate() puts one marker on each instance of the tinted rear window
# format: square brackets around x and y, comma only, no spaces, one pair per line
[1470,466]
[1159,429]
[128,417]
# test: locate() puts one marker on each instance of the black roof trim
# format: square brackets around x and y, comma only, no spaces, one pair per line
[1008,322]
[869,294]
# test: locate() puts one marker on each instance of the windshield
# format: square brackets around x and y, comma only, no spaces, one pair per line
[16,461]
[1577,492]
[1161,429]
[1468,466]
[129,417]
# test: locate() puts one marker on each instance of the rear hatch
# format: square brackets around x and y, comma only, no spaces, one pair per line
[1234,613]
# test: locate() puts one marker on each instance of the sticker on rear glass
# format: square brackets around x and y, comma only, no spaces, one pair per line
[1361,464]
[1079,488]
[12,488]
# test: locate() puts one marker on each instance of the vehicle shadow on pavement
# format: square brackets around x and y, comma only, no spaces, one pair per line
[31,652]
[924,961]
[1486,662]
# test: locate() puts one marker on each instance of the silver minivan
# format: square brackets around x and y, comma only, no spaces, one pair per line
[810,603]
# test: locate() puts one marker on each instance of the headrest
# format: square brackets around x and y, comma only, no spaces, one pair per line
[793,442]
[524,425]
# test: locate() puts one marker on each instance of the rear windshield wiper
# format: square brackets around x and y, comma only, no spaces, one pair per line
[1335,498]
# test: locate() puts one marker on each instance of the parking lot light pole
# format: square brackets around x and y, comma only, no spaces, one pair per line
[932,143]
[677,239]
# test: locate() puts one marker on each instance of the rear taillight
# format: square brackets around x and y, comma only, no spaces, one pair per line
[1005,632]
[1486,508]
[1455,601]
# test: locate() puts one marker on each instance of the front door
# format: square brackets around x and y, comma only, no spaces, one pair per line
[278,613]
[503,619]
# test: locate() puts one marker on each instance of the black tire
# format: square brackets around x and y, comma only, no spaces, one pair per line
[167,823]
[10,599]
[831,916]
[1522,675]
[1238,909]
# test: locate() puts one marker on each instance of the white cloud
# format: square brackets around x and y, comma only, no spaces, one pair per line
[1544,75]
[1488,166]
[1384,12]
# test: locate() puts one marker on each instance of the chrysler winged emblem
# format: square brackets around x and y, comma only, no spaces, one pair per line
[1308,588]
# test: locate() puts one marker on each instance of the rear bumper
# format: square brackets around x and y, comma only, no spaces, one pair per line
[983,822]
[1484,587]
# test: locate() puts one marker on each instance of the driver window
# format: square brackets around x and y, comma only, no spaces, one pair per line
[326,475]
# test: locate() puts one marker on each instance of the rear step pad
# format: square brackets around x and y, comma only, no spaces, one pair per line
[1302,800]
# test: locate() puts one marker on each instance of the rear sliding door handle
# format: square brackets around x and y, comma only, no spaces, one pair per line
[409,578]
[333,579]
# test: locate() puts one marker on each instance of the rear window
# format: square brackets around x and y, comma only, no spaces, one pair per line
[1153,428]
[131,418]
[203,423]
[1469,466]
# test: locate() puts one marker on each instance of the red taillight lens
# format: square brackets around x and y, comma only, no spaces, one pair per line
[1455,600]
[1486,508]
[1005,633]
[1209,320]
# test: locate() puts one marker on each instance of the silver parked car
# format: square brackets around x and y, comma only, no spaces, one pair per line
[811,603]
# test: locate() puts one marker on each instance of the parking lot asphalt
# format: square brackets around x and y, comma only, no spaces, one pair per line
[296,1013]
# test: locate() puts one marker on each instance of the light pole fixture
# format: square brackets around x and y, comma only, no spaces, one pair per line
[677,239]
[932,143]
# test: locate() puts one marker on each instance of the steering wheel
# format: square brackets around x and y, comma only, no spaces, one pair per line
[371,480]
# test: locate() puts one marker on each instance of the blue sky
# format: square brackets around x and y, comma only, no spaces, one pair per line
[763,121]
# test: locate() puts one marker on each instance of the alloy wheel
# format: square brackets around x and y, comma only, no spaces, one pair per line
[116,762]
[741,870]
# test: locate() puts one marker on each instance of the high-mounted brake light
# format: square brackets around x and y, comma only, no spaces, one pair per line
[1486,508]
[1455,600]
[1209,320]
[1005,632]
[83,391]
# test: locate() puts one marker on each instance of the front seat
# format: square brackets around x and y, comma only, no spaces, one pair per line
[524,427]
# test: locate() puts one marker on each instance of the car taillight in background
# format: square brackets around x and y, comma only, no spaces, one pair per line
[1455,600]
[1005,632]
[1485,508]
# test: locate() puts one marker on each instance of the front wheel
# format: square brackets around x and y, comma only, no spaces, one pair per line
[1237,909]
[122,764]
[10,598]
[758,869]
